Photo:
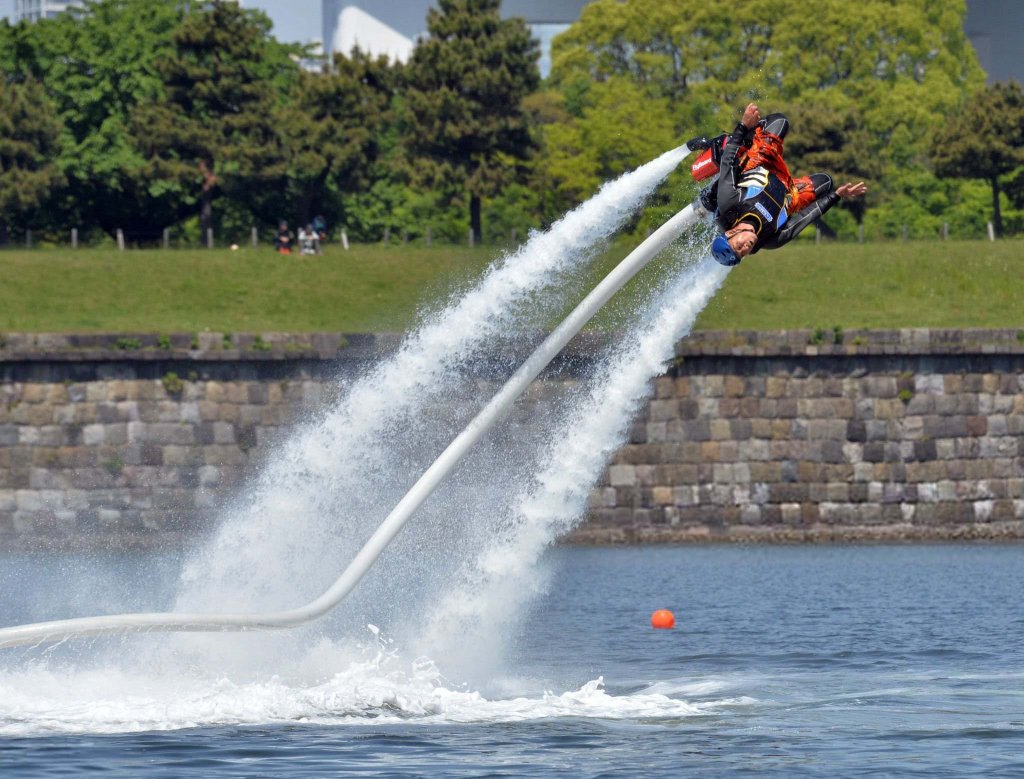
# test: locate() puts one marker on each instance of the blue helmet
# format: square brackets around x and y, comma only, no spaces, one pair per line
[723,253]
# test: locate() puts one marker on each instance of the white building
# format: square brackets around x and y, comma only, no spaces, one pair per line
[392,26]
[357,29]
[34,10]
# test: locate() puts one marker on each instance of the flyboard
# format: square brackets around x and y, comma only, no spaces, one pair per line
[495,410]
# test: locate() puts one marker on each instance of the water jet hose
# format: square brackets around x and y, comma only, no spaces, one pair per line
[59,630]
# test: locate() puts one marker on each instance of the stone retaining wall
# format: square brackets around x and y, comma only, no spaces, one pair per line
[909,434]
[784,436]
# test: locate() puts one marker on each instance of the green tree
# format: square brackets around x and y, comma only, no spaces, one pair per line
[885,72]
[619,127]
[466,85]
[831,139]
[97,65]
[29,133]
[984,140]
[333,129]
[215,132]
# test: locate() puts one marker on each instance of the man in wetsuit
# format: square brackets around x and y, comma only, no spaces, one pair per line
[755,200]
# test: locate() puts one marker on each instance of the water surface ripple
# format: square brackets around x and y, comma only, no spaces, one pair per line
[810,661]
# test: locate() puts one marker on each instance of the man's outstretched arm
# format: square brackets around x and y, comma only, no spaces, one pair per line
[812,213]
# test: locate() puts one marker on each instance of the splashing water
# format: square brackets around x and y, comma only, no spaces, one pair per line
[474,550]
[504,576]
[314,504]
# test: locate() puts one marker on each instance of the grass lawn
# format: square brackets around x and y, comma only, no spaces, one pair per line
[374,288]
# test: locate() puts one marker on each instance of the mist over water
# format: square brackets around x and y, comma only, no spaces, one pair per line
[419,635]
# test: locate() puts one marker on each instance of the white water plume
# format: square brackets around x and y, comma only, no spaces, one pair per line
[324,489]
[472,554]
[505,575]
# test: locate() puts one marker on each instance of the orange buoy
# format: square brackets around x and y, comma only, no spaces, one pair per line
[663,619]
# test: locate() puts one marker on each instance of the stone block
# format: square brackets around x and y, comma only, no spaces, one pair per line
[880,386]
[52,435]
[709,386]
[911,428]
[967,405]
[249,416]
[223,433]
[662,496]
[728,451]
[686,495]
[30,500]
[1004,468]
[863,472]
[208,410]
[64,415]
[619,475]
[791,514]
[720,430]
[750,514]
[215,392]
[32,392]
[1007,446]
[946,490]
[932,383]
[856,431]
[735,386]
[977,426]
[646,475]
[977,469]
[660,410]
[890,408]
[826,429]
[729,408]
[765,471]
[707,408]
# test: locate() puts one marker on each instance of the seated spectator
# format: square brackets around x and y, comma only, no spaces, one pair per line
[283,239]
[309,240]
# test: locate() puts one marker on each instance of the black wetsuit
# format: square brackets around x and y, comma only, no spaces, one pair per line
[758,197]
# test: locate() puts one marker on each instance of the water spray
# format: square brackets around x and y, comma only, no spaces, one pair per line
[492,413]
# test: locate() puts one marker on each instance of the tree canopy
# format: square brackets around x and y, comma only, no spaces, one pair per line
[333,129]
[187,114]
[465,86]
[29,132]
[870,79]
[984,139]
[214,131]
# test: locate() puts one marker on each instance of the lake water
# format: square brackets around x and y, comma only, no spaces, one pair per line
[811,661]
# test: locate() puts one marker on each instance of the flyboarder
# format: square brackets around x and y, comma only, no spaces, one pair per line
[755,200]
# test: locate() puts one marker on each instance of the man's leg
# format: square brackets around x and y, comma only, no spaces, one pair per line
[766,150]
[807,189]
[776,124]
